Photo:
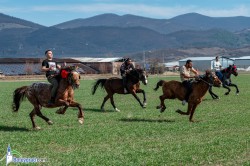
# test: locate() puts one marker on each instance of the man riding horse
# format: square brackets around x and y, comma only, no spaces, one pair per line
[186,78]
[125,68]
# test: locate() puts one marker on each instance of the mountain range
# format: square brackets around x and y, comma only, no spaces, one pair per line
[109,35]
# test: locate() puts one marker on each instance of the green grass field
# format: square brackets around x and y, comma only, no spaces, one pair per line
[134,136]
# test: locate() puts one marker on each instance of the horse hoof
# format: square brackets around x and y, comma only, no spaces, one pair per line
[145,103]
[117,110]
[50,122]
[37,128]
[226,93]
[162,110]
[158,107]
[237,94]
[60,111]
[144,106]
[80,120]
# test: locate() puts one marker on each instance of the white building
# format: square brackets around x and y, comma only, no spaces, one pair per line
[242,62]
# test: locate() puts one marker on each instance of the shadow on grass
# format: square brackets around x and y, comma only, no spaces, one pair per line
[146,120]
[12,128]
[97,110]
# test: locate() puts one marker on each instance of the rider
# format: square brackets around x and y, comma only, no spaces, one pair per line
[217,67]
[49,66]
[185,78]
[125,68]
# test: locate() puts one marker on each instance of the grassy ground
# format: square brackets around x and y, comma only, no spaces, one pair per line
[135,136]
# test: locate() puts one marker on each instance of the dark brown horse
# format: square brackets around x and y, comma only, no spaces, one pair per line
[114,85]
[39,94]
[175,89]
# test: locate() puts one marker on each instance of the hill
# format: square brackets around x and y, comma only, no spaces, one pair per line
[110,35]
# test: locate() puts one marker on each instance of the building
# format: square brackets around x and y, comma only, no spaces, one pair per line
[204,63]
[102,65]
[32,66]
[242,63]
[172,66]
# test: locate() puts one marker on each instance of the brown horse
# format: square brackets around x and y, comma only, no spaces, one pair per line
[175,89]
[114,85]
[39,94]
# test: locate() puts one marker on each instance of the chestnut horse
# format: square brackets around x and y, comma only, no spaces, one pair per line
[114,85]
[175,89]
[38,95]
[226,80]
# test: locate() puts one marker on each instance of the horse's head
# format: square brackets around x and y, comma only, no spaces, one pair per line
[71,75]
[212,79]
[233,69]
[140,75]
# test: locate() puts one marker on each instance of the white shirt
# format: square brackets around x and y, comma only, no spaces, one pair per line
[217,65]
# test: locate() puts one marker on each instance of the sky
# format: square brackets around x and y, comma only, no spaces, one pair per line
[52,12]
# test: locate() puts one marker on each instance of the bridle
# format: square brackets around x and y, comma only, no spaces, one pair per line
[208,83]
[139,75]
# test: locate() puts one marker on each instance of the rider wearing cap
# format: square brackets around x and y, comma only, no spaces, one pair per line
[125,68]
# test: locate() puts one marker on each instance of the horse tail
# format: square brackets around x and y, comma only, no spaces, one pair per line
[18,96]
[97,83]
[159,83]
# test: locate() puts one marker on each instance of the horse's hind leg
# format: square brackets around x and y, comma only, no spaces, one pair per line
[32,117]
[38,112]
[34,112]
[162,106]
[104,101]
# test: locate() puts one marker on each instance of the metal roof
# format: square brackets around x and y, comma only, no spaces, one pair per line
[198,58]
[243,58]
[210,58]
[86,59]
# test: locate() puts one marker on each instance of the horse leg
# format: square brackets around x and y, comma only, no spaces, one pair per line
[228,89]
[113,103]
[144,96]
[213,95]
[190,106]
[32,117]
[137,98]
[80,113]
[62,110]
[162,106]
[38,112]
[192,113]
[237,90]
[104,101]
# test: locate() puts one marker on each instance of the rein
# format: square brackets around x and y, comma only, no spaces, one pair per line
[209,84]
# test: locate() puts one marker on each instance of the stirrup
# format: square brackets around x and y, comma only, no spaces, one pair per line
[184,102]
[125,90]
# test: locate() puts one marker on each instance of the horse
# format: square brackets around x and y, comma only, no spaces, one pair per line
[175,89]
[38,95]
[226,80]
[114,85]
